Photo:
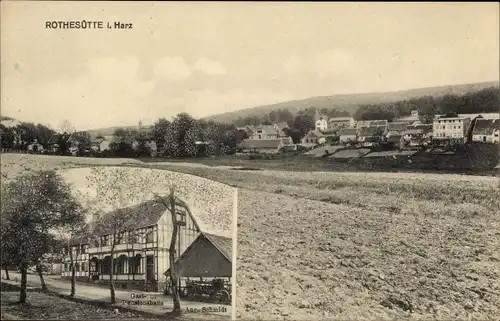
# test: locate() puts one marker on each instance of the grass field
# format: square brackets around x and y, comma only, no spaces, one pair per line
[48,307]
[361,246]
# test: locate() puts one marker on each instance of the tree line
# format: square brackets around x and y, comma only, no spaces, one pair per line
[482,101]
[185,136]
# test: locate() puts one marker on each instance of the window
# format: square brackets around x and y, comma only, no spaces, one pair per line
[93,266]
[150,237]
[132,237]
[77,267]
[84,249]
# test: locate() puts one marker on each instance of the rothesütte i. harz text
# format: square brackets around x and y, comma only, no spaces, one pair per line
[87,24]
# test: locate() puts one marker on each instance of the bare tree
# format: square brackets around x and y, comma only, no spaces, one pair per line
[172,205]
[66,127]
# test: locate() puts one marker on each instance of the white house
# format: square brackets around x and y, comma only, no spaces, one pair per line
[341,122]
[454,128]
[100,144]
[320,122]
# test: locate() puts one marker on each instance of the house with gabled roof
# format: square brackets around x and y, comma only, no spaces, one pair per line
[348,135]
[265,146]
[340,122]
[486,130]
[209,256]
[372,135]
[314,137]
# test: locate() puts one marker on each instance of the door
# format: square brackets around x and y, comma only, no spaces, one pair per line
[150,267]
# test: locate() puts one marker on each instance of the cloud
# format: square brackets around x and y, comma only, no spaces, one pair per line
[205,102]
[210,67]
[108,92]
[291,65]
[335,62]
[173,68]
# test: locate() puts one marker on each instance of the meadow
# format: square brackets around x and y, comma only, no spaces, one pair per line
[357,245]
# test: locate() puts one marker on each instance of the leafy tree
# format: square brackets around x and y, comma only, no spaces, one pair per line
[191,136]
[303,123]
[160,131]
[33,205]
[295,134]
[7,137]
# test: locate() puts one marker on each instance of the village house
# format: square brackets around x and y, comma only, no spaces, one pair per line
[100,143]
[265,146]
[486,130]
[348,135]
[141,254]
[248,130]
[207,258]
[413,117]
[370,136]
[362,123]
[314,137]
[54,140]
[450,128]
[266,132]
[394,132]
[320,122]
[35,147]
[337,123]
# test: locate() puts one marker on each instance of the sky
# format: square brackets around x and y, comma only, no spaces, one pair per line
[215,57]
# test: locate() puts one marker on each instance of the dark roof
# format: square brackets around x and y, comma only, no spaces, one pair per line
[394,138]
[348,131]
[334,119]
[223,244]
[371,131]
[378,122]
[424,127]
[399,126]
[207,256]
[260,143]
[269,130]
[314,133]
[373,139]
[136,216]
[485,126]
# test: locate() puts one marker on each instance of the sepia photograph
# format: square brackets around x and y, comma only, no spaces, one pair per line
[249,160]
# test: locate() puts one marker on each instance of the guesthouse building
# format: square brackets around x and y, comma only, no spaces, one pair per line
[141,254]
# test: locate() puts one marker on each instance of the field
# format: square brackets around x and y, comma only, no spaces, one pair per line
[47,307]
[360,246]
